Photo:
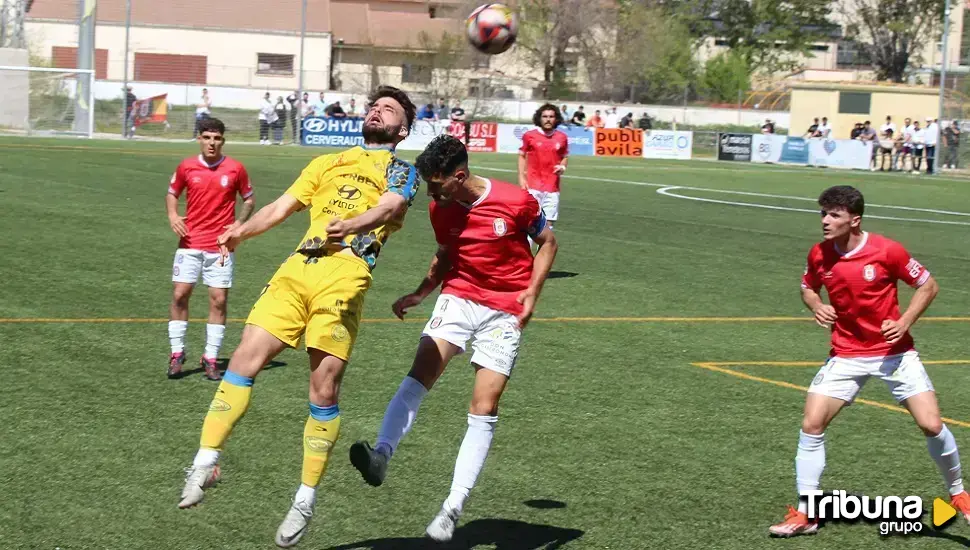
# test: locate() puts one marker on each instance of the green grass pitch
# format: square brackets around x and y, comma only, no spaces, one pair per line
[610,434]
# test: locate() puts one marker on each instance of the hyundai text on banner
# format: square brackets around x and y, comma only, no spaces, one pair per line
[840,153]
[667,144]
[615,142]
[482,136]
[332,132]
[734,147]
[421,135]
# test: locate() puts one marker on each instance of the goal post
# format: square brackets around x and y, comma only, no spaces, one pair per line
[44,100]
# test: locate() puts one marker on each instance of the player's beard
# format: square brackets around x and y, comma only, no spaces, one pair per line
[380,134]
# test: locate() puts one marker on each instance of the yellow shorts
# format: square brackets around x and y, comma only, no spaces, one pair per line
[321,297]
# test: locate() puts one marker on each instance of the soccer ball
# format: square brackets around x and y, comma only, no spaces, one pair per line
[492,28]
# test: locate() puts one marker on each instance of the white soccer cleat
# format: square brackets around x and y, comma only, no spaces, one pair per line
[197,480]
[442,527]
[294,525]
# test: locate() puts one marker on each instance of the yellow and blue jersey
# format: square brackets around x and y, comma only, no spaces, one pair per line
[345,185]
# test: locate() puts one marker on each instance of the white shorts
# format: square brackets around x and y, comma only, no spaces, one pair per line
[549,202]
[496,333]
[843,377]
[190,263]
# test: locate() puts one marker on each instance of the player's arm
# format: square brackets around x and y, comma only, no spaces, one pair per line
[440,265]
[391,206]
[541,264]
[265,219]
[175,188]
[824,313]
[523,163]
[907,269]
[248,205]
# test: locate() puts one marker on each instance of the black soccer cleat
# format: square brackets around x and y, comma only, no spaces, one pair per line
[371,464]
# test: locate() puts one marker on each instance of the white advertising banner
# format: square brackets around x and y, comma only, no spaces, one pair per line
[667,144]
[840,153]
[767,147]
[421,135]
[510,137]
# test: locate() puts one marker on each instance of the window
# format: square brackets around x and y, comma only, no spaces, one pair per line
[965,39]
[854,103]
[172,68]
[274,64]
[415,74]
[65,57]
[819,47]
[852,54]
[432,11]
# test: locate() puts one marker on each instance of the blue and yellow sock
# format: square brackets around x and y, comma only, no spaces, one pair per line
[319,435]
[227,407]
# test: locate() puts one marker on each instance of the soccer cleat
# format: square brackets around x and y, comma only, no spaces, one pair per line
[175,363]
[211,371]
[371,464]
[197,480]
[796,523]
[294,525]
[442,527]
[962,503]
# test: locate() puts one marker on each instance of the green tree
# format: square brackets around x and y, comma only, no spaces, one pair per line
[725,76]
[892,34]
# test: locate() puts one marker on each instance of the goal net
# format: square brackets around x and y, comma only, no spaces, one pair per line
[42,100]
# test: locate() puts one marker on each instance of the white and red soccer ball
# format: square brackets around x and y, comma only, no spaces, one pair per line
[492,28]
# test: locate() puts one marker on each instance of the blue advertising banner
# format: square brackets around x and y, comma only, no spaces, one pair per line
[795,151]
[332,132]
[580,140]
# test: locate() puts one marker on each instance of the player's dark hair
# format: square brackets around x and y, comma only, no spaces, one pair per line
[212,125]
[397,95]
[843,197]
[441,157]
[537,117]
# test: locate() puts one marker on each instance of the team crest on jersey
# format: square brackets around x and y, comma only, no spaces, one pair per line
[224,181]
[499,227]
[869,273]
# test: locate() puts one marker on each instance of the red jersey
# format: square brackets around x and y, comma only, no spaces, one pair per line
[543,153]
[861,285]
[491,261]
[210,198]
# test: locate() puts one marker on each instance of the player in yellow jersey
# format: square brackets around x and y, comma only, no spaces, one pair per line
[357,198]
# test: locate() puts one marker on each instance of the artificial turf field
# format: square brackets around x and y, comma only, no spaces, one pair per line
[656,402]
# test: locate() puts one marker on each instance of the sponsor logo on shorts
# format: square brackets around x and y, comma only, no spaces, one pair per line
[180,258]
[224,181]
[436,322]
[318,444]
[818,379]
[175,270]
[219,405]
[339,333]
[869,273]
[499,227]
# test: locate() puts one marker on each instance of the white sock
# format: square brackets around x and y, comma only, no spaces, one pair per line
[213,340]
[809,463]
[400,414]
[205,457]
[471,458]
[306,494]
[943,449]
[176,335]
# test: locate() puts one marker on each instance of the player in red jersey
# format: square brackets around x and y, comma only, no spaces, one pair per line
[542,160]
[870,338]
[210,181]
[489,286]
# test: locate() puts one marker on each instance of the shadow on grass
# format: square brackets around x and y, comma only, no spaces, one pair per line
[503,534]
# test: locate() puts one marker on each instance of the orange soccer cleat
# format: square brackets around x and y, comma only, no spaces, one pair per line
[795,523]
[962,503]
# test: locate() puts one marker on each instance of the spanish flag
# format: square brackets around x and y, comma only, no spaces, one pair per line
[152,109]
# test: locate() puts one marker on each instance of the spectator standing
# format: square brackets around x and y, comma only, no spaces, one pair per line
[919,142]
[813,130]
[951,143]
[202,111]
[280,123]
[868,135]
[295,106]
[334,110]
[457,113]
[267,116]
[129,130]
[320,106]
[443,112]
[595,121]
[856,131]
[578,117]
[627,121]
[889,125]
[644,123]
[352,111]
[768,127]
[932,138]
[824,129]
[886,146]
[564,112]
[904,146]
[611,120]
[426,113]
